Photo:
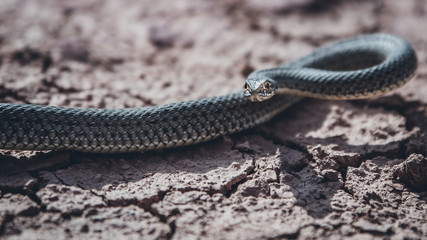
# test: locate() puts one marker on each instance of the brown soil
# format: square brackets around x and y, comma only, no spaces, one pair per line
[322,169]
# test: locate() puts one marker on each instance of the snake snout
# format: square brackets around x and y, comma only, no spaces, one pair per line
[264,90]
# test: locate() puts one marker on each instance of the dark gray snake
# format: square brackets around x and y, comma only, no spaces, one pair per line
[360,67]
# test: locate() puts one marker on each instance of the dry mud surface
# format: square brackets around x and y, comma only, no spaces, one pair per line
[322,169]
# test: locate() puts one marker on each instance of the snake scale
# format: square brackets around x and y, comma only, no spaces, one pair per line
[360,67]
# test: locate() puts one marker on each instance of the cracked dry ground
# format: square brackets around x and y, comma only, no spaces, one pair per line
[322,169]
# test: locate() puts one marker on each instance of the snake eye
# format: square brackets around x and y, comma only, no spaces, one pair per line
[246,86]
[267,85]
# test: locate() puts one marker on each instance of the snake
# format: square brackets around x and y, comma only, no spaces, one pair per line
[355,68]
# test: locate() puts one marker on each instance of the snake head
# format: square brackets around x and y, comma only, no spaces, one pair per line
[259,89]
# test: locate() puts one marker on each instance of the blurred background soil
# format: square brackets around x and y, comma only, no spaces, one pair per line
[321,169]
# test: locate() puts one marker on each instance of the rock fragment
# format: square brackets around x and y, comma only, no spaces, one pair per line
[413,171]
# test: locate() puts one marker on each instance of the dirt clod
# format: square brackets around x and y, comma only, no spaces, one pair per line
[413,171]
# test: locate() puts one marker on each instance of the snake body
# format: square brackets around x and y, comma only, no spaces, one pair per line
[359,67]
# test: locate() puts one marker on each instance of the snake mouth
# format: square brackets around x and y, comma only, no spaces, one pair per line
[261,95]
[265,93]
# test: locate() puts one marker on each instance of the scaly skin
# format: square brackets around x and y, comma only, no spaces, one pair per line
[360,67]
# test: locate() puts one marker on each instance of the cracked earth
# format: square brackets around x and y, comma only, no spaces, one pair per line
[321,169]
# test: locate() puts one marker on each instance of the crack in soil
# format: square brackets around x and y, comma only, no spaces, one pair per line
[62,181]
[5,92]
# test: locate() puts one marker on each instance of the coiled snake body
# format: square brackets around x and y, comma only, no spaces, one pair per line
[360,67]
